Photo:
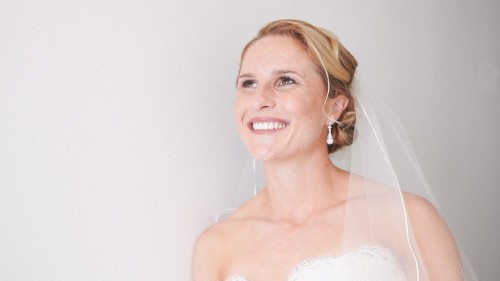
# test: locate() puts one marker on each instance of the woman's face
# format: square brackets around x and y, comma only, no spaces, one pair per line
[279,107]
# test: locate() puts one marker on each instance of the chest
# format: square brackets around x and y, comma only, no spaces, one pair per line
[269,252]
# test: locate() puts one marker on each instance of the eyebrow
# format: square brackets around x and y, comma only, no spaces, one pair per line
[284,71]
[273,73]
[245,75]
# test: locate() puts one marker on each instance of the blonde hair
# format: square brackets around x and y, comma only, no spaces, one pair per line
[336,65]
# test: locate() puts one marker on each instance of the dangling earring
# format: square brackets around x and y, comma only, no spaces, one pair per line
[329,138]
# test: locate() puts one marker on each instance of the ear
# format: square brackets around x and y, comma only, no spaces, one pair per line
[335,106]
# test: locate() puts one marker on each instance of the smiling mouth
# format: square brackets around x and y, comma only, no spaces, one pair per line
[268,125]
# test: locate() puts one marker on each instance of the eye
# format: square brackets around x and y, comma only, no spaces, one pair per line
[248,84]
[285,80]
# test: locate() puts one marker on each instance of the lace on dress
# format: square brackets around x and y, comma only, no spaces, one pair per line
[368,263]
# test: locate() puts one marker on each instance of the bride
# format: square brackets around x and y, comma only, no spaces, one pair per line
[314,221]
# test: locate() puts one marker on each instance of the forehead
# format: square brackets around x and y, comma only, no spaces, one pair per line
[276,52]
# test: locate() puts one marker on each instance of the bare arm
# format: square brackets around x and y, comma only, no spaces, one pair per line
[206,256]
[434,239]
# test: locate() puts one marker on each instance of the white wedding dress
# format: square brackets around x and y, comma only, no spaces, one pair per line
[369,263]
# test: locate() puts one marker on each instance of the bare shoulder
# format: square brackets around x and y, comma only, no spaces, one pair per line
[209,251]
[419,206]
[210,240]
[425,218]
[434,239]
[214,247]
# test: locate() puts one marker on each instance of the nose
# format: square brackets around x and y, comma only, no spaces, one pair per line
[264,97]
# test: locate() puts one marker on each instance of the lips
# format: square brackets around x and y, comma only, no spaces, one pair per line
[263,124]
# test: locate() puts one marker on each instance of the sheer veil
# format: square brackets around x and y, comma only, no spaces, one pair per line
[383,167]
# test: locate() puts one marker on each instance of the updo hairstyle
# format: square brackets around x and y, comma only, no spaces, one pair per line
[335,64]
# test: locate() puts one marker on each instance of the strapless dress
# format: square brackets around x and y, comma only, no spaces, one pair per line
[369,263]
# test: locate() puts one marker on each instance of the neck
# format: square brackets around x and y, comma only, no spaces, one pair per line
[298,188]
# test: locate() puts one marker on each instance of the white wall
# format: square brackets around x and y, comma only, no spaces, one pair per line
[117,144]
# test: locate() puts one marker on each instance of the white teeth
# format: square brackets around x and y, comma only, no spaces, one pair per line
[268,125]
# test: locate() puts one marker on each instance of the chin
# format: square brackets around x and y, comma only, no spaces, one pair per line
[264,155]
[261,155]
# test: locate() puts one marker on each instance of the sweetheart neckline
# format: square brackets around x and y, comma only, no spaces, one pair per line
[295,270]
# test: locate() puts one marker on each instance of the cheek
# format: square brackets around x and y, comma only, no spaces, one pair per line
[312,128]
[310,119]
[239,112]
[309,112]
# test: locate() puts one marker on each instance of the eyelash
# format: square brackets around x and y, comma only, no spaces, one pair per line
[245,83]
[284,78]
[282,81]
